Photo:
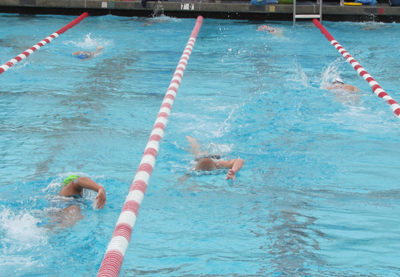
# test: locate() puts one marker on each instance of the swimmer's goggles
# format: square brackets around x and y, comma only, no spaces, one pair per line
[212,156]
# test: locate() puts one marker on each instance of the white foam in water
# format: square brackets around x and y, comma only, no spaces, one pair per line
[300,76]
[21,229]
[19,235]
[218,148]
[331,72]
[88,43]
[164,17]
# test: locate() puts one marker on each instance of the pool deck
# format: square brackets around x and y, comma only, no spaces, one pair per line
[331,11]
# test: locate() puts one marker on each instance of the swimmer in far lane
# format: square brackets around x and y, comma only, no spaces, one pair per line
[208,162]
[271,30]
[84,55]
[72,191]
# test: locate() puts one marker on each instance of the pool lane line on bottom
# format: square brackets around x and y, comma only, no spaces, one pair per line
[114,256]
[29,51]
[376,88]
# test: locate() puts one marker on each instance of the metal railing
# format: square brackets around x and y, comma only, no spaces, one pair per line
[314,15]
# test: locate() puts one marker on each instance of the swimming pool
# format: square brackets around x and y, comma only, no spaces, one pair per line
[317,196]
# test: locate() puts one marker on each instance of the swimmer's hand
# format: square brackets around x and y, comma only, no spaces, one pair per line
[231,175]
[101,198]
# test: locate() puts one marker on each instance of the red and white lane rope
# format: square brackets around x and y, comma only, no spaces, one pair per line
[29,51]
[376,88]
[113,259]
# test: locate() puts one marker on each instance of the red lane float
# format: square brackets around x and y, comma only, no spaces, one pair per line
[29,51]
[376,88]
[113,259]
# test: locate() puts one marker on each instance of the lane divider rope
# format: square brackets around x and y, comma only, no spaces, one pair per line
[376,88]
[29,51]
[114,256]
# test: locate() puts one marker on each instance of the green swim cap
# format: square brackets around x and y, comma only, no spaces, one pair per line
[69,179]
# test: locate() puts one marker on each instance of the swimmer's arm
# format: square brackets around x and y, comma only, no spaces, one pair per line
[234,166]
[231,164]
[84,182]
[194,146]
[183,178]
[81,52]
[98,49]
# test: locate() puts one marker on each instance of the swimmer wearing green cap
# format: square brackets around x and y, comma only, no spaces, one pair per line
[73,186]
[69,179]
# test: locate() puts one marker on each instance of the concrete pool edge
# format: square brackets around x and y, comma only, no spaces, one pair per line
[208,9]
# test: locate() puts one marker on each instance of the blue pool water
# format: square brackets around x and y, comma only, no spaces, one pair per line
[318,194]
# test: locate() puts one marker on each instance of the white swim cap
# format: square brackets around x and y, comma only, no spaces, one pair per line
[337,80]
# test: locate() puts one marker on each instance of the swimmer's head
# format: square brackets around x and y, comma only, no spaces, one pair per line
[69,179]
[206,164]
[337,81]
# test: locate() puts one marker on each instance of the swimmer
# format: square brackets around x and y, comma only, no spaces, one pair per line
[84,55]
[271,30]
[72,190]
[338,84]
[344,92]
[208,162]
[152,21]
[372,27]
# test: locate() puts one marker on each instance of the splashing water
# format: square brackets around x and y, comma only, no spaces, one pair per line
[21,229]
[332,71]
[88,42]
[159,10]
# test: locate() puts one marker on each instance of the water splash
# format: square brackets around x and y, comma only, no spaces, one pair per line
[332,71]
[20,236]
[215,148]
[21,229]
[300,76]
[88,42]
[159,10]
[225,125]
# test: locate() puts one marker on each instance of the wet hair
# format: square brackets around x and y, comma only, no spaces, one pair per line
[206,164]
